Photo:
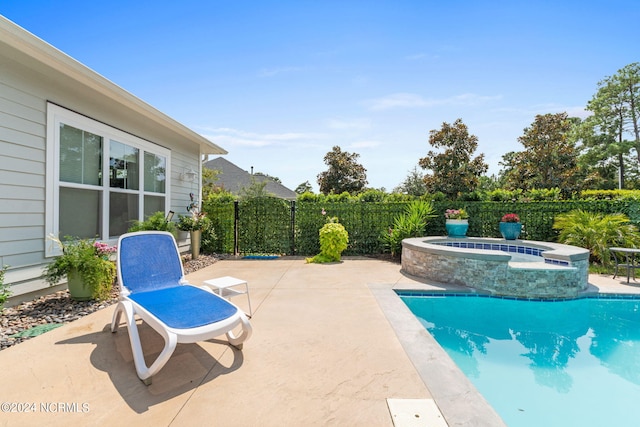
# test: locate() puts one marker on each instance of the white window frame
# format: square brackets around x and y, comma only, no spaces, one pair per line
[57,115]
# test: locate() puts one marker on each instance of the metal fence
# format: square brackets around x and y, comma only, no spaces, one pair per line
[268,225]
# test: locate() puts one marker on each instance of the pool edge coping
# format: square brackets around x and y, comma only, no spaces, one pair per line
[457,398]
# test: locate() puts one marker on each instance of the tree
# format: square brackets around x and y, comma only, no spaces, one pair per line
[209,179]
[454,170]
[269,177]
[255,189]
[549,159]
[345,174]
[616,114]
[305,187]
[413,184]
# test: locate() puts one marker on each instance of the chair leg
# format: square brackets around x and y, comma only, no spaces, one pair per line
[247,330]
[170,341]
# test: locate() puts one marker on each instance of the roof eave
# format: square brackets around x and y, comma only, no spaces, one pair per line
[38,50]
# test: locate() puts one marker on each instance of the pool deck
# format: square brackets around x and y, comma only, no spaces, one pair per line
[331,344]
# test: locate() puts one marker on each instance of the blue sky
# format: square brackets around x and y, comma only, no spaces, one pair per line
[279,83]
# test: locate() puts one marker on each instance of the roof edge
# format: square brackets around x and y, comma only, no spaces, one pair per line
[39,50]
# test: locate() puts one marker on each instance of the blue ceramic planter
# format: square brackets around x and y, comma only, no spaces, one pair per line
[457,227]
[510,230]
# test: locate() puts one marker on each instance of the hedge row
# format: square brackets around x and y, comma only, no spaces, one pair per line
[274,226]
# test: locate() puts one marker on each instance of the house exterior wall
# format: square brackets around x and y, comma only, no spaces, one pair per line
[24,94]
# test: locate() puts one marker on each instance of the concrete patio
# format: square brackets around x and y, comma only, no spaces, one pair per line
[330,346]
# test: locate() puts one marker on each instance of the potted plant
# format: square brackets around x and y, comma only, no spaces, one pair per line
[456,222]
[510,226]
[156,221]
[194,224]
[87,266]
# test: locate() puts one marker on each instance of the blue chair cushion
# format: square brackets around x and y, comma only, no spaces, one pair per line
[184,307]
[149,262]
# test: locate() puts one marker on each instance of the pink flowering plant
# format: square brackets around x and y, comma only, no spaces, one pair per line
[104,250]
[456,214]
[90,259]
[510,217]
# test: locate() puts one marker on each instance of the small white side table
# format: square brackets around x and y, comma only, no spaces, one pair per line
[226,288]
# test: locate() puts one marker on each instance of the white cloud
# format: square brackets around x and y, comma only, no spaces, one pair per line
[533,110]
[396,100]
[236,137]
[412,100]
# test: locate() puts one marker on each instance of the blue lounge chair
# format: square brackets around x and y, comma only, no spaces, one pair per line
[153,287]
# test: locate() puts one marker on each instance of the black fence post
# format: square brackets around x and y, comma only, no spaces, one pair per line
[293,227]
[236,216]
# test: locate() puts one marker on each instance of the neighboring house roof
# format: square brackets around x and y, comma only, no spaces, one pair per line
[234,179]
[65,73]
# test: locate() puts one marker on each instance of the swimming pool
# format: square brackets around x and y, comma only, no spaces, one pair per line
[564,362]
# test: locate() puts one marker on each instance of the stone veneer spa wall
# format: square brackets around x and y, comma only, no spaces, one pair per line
[520,268]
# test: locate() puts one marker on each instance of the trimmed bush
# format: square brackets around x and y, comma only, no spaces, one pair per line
[333,241]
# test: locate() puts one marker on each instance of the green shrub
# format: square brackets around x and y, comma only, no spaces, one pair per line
[596,232]
[4,288]
[219,196]
[157,221]
[333,241]
[501,195]
[308,196]
[372,196]
[543,194]
[610,194]
[88,258]
[193,222]
[412,223]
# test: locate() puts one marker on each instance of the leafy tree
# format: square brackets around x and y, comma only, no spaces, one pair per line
[413,184]
[549,159]
[269,177]
[209,179]
[255,189]
[616,114]
[488,183]
[345,174]
[305,187]
[454,170]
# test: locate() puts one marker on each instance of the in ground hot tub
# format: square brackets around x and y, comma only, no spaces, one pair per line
[519,268]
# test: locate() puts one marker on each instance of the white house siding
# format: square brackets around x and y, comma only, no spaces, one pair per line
[25,89]
[22,181]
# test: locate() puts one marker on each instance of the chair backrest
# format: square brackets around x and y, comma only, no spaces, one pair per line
[148,260]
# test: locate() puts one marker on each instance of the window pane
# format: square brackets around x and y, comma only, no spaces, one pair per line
[80,156]
[80,213]
[123,166]
[154,173]
[123,210]
[153,204]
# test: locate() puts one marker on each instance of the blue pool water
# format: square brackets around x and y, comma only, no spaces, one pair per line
[558,363]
